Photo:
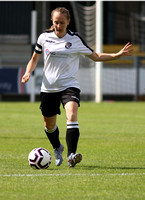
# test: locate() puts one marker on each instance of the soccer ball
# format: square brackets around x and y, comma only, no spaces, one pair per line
[39,158]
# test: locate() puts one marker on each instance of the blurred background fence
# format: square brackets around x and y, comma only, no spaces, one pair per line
[122,22]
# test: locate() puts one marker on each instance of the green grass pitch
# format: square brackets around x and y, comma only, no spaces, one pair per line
[112,142]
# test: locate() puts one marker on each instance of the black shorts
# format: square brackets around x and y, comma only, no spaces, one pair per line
[50,102]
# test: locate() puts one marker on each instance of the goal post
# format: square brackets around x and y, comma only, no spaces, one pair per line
[33,42]
[99,44]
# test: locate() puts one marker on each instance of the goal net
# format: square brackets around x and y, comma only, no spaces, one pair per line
[137,24]
[121,80]
[117,79]
[84,17]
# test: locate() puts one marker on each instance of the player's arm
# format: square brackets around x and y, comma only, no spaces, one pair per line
[125,51]
[30,67]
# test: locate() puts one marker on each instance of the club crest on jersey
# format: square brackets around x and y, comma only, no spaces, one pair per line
[68,45]
[47,52]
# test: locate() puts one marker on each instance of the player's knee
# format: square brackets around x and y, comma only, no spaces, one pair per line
[50,126]
[49,122]
[72,117]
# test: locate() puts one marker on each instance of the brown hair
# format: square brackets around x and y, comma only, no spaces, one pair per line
[61,10]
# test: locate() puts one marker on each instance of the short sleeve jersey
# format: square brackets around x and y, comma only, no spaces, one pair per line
[61,60]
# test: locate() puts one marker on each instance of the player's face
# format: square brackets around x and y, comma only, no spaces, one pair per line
[60,23]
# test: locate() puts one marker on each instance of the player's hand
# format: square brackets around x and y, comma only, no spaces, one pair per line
[25,78]
[126,50]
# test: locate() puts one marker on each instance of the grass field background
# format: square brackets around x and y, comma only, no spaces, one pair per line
[112,143]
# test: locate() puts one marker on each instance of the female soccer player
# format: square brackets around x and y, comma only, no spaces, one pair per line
[61,49]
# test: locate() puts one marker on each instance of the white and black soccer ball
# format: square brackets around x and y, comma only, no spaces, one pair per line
[39,158]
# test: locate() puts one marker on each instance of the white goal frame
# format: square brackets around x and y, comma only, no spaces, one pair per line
[99,44]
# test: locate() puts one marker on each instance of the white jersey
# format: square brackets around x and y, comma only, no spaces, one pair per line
[61,60]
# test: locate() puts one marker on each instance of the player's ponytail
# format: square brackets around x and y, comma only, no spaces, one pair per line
[50,29]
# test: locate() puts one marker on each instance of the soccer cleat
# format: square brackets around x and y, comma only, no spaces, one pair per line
[73,159]
[58,155]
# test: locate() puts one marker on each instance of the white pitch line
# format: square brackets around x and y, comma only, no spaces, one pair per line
[65,174]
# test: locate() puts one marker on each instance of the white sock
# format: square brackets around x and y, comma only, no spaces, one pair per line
[51,131]
[72,125]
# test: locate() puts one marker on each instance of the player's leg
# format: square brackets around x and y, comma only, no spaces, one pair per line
[72,133]
[52,133]
[71,101]
[50,104]
[51,130]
